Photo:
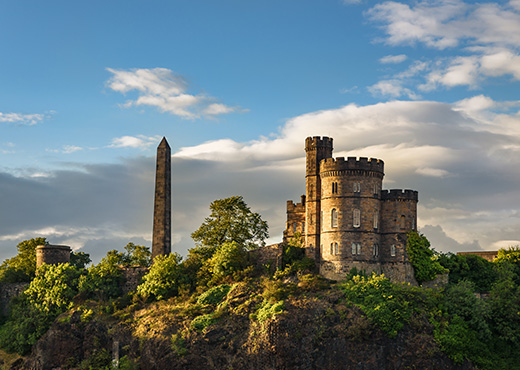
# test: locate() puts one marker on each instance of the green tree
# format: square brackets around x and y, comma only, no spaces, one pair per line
[164,279]
[231,220]
[476,269]
[79,259]
[22,267]
[422,258]
[105,279]
[137,255]
[32,312]
[229,258]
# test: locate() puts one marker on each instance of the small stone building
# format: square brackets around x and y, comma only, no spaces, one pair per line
[52,254]
[348,220]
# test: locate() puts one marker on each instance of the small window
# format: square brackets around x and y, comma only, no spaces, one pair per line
[356,218]
[376,220]
[295,227]
[334,217]
[375,250]
[336,251]
[331,248]
[357,187]
[392,250]
[376,190]
[334,188]
[413,223]
[403,222]
[312,219]
[356,249]
[358,246]
[303,227]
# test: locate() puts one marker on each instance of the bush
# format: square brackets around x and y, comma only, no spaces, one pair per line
[203,321]
[214,295]
[421,256]
[229,258]
[164,279]
[268,310]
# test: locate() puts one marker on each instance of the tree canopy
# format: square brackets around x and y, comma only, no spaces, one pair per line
[231,220]
[22,267]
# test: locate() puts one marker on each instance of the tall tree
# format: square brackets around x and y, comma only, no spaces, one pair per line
[22,267]
[231,220]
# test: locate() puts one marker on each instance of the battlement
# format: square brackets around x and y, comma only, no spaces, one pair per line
[318,142]
[352,163]
[399,194]
[296,207]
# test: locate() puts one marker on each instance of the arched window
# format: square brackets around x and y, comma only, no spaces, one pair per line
[354,249]
[295,227]
[357,187]
[376,220]
[331,248]
[356,218]
[303,227]
[358,248]
[392,250]
[336,251]
[334,218]
[375,250]
[403,222]
[334,188]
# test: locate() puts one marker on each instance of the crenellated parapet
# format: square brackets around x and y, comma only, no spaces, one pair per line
[296,207]
[399,194]
[341,166]
[318,142]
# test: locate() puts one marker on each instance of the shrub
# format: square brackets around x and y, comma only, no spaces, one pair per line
[421,256]
[214,295]
[164,279]
[269,310]
[203,321]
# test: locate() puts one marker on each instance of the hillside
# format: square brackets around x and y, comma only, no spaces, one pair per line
[314,327]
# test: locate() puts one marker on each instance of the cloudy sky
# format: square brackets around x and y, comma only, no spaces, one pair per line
[88,89]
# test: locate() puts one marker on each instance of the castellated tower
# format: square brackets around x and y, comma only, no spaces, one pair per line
[348,220]
[161,238]
[316,150]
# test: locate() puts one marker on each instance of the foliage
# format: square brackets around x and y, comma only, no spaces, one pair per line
[383,302]
[469,267]
[293,250]
[104,280]
[214,295]
[231,220]
[203,321]
[164,279]
[511,254]
[22,267]
[79,259]
[268,310]
[229,258]
[422,258]
[137,255]
[49,294]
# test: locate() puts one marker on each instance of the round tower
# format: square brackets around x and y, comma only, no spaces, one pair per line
[316,149]
[52,254]
[351,215]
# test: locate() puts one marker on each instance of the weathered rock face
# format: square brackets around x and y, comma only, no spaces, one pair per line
[314,332]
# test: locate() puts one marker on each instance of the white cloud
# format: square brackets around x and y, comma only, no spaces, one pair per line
[22,119]
[140,141]
[71,149]
[161,88]
[432,172]
[392,88]
[489,33]
[393,59]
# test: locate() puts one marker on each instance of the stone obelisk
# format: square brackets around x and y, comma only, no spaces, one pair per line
[161,244]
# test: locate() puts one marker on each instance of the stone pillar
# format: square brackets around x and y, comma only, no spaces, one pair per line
[161,238]
[52,254]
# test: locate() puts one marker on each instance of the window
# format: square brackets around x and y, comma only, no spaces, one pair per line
[356,218]
[357,187]
[331,248]
[413,223]
[334,188]
[295,226]
[392,250]
[403,222]
[303,227]
[334,217]
[376,220]
[356,249]
[336,251]
[312,219]
[376,189]
[375,250]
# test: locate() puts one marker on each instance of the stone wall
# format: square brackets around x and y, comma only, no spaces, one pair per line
[270,255]
[133,276]
[7,292]
[52,254]
[487,255]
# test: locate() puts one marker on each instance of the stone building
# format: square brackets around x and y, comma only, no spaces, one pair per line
[52,254]
[347,220]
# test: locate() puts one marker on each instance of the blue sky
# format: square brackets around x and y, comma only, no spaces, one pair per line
[89,88]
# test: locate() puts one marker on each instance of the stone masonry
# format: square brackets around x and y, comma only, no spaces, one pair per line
[161,238]
[348,220]
[52,254]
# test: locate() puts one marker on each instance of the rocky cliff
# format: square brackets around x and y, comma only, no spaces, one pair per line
[317,329]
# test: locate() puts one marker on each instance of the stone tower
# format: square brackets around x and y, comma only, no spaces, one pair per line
[52,254]
[161,239]
[316,149]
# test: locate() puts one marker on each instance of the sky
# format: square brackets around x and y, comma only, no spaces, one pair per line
[88,90]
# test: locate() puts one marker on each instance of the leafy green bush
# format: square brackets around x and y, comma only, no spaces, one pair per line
[164,279]
[472,268]
[422,258]
[268,310]
[203,321]
[214,295]
[104,280]
[229,258]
